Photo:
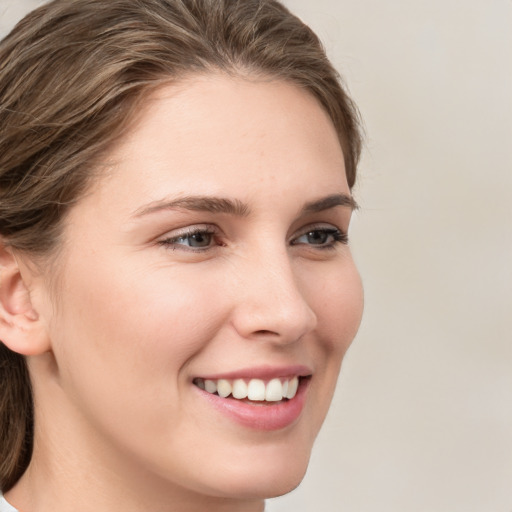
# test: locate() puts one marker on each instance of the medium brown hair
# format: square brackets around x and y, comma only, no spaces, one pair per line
[72,74]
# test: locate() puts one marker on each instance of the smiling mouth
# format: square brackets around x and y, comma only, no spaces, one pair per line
[257,390]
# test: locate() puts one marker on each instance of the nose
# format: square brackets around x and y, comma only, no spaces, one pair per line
[269,302]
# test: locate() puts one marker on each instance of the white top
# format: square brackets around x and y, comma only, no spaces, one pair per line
[5,507]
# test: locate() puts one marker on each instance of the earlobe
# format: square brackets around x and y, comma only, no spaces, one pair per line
[21,329]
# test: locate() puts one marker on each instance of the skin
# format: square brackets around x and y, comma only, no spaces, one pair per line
[130,319]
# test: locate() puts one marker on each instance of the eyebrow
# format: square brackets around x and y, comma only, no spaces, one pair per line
[198,203]
[329,202]
[238,208]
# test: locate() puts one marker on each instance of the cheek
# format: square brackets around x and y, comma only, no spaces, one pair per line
[151,307]
[122,342]
[128,332]
[338,304]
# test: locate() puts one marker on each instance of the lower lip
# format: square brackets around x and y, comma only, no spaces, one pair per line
[267,416]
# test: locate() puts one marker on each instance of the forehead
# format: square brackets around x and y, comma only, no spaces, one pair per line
[218,134]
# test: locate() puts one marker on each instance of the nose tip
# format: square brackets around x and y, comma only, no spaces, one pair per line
[273,307]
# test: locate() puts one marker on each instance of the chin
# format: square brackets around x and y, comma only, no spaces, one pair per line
[260,487]
[284,484]
[264,477]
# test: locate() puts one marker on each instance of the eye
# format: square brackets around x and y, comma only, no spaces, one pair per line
[321,237]
[195,239]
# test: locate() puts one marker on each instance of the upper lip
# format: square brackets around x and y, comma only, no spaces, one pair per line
[262,372]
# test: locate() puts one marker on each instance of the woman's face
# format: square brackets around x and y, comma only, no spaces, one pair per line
[213,253]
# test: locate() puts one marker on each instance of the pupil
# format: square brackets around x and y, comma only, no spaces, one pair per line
[200,240]
[317,237]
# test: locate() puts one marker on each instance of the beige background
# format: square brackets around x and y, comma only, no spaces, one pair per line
[422,420]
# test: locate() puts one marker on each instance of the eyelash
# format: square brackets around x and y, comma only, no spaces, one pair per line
[337,237]
[188,234]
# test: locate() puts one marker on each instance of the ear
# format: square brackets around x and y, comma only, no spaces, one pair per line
[21,328]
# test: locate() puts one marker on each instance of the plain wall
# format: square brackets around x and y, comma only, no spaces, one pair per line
[422,419]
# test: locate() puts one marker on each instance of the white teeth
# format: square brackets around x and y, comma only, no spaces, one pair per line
[210,386]
[274,391]
[285,388]
[292,387]
[239,389]
[223,388]
[255,389]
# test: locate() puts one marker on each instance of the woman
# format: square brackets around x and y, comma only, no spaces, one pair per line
[176,288]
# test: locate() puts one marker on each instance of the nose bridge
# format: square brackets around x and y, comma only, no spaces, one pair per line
[271,302]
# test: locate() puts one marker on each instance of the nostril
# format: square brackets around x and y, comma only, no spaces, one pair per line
[266,333]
